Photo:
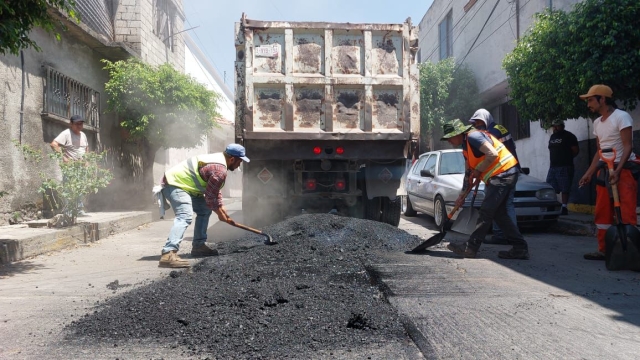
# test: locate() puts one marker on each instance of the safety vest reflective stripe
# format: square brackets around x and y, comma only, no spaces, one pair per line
[505,159]
[186,176]
[603,226]
[193,172]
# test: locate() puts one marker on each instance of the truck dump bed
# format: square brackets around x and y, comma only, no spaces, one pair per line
[326,81]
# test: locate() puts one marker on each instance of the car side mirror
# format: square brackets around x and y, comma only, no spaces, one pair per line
[426,173]
[525,171]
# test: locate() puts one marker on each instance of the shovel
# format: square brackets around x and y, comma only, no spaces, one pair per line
[437,238]
[268,239]
[466,221]
[622,241]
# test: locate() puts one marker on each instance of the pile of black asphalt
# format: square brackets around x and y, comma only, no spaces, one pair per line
[310,296]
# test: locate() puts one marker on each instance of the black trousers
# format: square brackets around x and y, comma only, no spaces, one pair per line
[494,208]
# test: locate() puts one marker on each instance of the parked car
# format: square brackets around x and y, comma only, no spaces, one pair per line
[434,181]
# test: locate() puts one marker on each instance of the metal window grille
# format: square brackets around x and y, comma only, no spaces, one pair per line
[65,97]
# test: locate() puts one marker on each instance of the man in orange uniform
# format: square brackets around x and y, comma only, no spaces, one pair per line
[487,159]
[613,131]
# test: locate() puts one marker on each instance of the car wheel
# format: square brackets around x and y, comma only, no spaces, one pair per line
[407,208]
[440,213]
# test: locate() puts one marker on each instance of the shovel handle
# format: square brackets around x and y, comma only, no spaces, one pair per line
[466,192]
[245,227]
[610,162]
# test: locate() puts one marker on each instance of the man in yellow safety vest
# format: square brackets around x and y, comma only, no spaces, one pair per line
[194,186]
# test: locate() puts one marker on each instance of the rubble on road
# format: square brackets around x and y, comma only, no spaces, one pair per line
[307,296]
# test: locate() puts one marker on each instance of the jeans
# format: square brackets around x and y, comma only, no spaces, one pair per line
[494,208]
[184,205]
[511,211]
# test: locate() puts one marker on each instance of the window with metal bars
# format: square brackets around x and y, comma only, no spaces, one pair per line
[65,97]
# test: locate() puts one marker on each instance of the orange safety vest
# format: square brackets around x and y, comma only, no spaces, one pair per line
[504,162]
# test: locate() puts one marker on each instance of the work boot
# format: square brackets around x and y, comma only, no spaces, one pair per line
[172,260]
[519,254]
[199,250]
[463,249]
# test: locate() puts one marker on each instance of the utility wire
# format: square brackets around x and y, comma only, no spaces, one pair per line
[455,26]
[498,28]
[479,33]
[205,49]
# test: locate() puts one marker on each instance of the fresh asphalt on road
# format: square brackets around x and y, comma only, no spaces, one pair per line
[554,306]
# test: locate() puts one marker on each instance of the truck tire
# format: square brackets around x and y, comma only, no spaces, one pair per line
[391,211]
[372,208]
[407,208]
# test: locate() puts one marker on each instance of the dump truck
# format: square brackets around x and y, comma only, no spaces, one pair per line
[328,113]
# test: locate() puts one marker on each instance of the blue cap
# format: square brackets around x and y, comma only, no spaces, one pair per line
[237,150]
[77,118]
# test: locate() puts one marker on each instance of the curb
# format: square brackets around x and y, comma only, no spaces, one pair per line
[19,242]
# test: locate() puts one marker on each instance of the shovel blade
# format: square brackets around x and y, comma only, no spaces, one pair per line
[434,240]
[622,248]
[466,221]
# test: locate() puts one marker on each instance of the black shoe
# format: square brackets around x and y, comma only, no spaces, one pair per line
[496,241]
[463,250]
[519,254]
[203,250]
[565,211]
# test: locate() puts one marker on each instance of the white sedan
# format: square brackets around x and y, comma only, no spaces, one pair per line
[434,181]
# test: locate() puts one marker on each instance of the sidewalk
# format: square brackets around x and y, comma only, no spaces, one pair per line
[577,224]
[22,241]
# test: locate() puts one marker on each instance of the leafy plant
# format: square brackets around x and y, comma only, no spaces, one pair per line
[80,178]
[17,18]
[30,153]
[446,93]
[159,106]
[564,53]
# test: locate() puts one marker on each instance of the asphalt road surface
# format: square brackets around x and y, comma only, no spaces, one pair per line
[554,306]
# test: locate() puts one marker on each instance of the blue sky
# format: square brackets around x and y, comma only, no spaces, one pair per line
[215,19]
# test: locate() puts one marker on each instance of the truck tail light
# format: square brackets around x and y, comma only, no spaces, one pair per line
[340,184]
[339,150]
[310,184]
[317,150]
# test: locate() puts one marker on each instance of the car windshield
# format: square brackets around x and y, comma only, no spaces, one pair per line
[451,163]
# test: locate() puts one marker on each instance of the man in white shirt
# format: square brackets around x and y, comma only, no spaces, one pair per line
[613,130]
[72,143]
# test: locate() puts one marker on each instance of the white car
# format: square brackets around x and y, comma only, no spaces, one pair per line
[434,181]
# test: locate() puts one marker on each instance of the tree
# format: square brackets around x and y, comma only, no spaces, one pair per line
[564,53]
[159,106]
[18,17]
[446,93]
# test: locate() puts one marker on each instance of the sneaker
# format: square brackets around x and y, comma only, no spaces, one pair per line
[172,260]
[596,255]
[565,211]
[203,250]
[463,250]
[513,253]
